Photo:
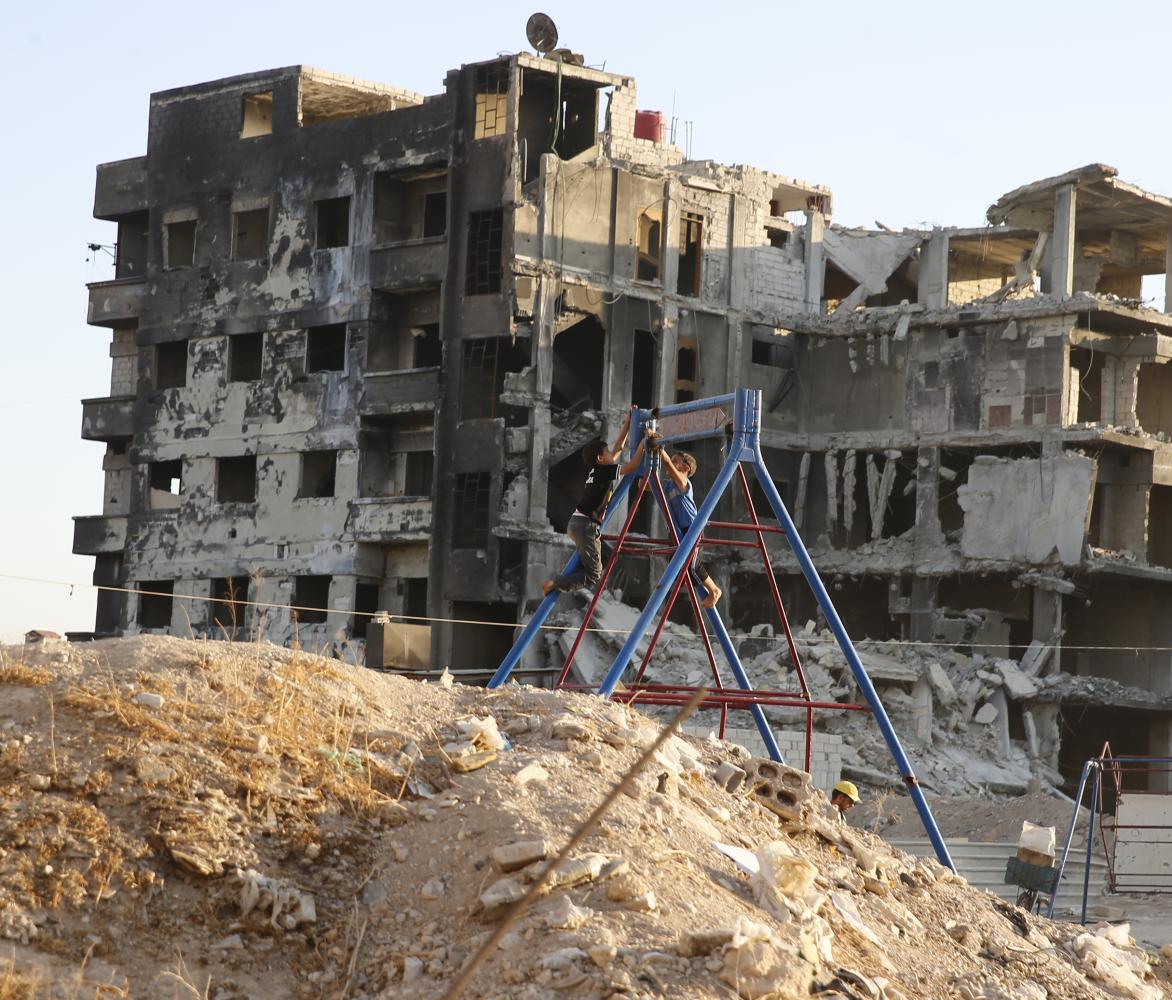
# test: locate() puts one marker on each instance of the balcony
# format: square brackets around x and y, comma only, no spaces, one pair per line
[99,535]
[408,391]
[390,519]
[115,303]
[410,264]
[108,418]
[120,188]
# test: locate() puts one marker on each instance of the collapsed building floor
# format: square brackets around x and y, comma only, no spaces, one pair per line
[359,335]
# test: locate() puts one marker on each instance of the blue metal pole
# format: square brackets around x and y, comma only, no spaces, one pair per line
[738,670]
[1096,789]
[692,405]
[852,658]
[674,568]
[545,608]
[1082,784]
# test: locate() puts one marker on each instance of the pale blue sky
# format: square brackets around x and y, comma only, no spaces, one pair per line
[915,112]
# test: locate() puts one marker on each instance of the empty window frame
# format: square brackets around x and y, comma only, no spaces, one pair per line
[410,206]
[478,378]
[155,601]
[470,512]
[311,596]
[245,353]
[318,473]
[250,234]
[229,599]
[492,101]
[686,364]
[165,484]
[420,467]
[236,479]
[775,349]
[484,252]
[171,365]
[691,243]
[332,223]
[257,117]
[325,348]
[649,244]
[179,244]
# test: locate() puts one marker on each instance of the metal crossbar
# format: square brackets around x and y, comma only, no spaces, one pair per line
[743,441]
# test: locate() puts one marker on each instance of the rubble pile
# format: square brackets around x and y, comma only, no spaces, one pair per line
[187,818]
[950,709]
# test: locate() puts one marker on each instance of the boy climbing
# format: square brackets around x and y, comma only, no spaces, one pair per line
[680,467]
[585,527]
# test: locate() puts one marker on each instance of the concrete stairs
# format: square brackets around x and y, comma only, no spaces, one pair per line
[984,866]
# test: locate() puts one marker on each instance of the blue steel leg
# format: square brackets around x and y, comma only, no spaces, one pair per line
[674,568]
[1082,784]
[1096,790]
[734,663]
[852,658]
[545,608]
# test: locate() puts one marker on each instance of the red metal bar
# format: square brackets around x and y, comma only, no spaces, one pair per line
[601,585]
[777,603]
[663,543]
[738,526]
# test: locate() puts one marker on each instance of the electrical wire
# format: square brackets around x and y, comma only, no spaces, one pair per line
[409,619]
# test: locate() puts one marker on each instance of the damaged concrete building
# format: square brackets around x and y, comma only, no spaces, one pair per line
[358,335]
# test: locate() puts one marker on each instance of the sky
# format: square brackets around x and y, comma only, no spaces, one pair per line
[913,113]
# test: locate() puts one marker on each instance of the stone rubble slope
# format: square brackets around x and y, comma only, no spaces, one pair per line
[185,818]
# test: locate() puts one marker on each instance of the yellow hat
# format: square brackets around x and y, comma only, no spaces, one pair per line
[848,789]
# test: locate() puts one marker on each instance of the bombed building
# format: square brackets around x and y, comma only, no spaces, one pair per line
[359,334]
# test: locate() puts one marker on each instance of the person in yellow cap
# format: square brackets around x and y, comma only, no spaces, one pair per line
[844,797]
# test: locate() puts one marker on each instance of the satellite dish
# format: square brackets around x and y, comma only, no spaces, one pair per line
[541,32]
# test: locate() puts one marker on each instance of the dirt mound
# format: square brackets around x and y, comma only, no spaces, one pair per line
[205,819]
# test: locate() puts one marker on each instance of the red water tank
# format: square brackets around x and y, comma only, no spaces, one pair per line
[650,125]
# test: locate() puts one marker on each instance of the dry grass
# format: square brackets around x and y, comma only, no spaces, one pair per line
[22,675]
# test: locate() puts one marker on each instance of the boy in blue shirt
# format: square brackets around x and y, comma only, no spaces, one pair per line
[680,467]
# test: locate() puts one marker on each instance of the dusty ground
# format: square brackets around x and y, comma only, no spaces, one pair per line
[994,819]
[187,819]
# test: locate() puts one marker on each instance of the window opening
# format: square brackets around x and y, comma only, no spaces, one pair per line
[179,244]
[325,349]
[133,233]
[492,101]
[643,370]
[484,251]
[650,244]
[165,480]
[236,479]
[154,609]
[691,234]
[250,234]
[310,593]
[171,365]
[478,396]
[419,472]
[415,597]
[257,116]
[470,512]
[229,599]
[332,223]
[245,351]
[365,605]
[686,364]
[318,470]
[435,214]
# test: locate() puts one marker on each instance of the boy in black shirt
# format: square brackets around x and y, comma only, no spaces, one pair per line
[585,526]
